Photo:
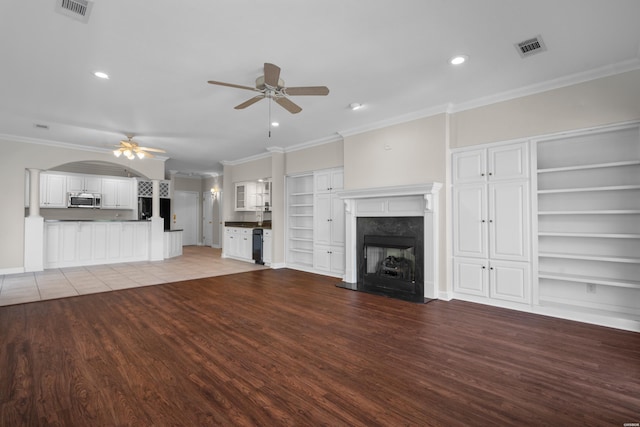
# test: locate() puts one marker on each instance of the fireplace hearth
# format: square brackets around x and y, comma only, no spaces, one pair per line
[391,256]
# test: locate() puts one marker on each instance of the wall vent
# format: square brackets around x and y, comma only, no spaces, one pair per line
[531,46]
[76,9]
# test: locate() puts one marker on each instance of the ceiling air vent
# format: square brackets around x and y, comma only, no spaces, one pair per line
[76,9]
[531,46]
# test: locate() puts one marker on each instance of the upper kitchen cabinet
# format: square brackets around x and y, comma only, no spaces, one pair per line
[53,190]
[117,193]
[84,184]
[253,195]
[497,163]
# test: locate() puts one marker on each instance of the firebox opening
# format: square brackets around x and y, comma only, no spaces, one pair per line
[390,257]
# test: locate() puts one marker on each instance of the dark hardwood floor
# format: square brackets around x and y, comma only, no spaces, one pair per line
[281,347]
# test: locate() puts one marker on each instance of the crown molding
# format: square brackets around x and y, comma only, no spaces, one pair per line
[313,143]
[570,80]
[245,159]
[420,114]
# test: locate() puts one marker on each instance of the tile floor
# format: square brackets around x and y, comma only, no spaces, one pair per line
[196,262]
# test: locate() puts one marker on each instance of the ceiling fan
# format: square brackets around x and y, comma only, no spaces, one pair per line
[131,149]
[271,86]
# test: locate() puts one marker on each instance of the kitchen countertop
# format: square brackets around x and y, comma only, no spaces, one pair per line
[248,224]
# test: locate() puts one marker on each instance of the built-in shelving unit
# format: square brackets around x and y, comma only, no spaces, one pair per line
[588,197]
[300,193]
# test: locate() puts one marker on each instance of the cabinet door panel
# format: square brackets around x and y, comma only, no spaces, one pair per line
[322,217]
[509,221]
[321,258]
[337,221]
[469,212]
[470,276]
[469,167]
[510,281]
[508,162]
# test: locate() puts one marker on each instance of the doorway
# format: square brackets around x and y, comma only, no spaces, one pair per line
[185,215]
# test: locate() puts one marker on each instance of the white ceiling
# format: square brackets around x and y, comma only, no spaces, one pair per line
[390,56]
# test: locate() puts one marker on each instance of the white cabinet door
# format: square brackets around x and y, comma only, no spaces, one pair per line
[246,243]
[117,193]
[469,166]
[508,162]
[337,221]
[510,281]
[322,219]
[329,180]
[53,191]
[470,276]
[84,184]
[322,258]
[267,246]
[470,221]
[505,162]
[509,221]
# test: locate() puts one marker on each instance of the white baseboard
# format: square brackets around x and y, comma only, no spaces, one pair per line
[14,270]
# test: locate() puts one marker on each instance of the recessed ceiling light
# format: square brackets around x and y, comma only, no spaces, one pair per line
[459,59]
[101,75]
[355,106]
[275,124]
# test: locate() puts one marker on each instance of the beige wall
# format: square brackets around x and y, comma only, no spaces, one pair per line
[407,153]
[18,156]
[598,102]
[326,156]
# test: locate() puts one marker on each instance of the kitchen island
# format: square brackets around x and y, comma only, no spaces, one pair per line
[72,243]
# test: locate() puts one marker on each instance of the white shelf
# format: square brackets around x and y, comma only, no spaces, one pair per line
[592,212]
[301,215]
[586,189]
[634,284]
[300,228]
[592,166]
[301,239]
[302,251]
[306,193]
[596,235]
[606,258]
[301,205]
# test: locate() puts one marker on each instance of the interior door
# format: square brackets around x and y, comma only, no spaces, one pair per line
[185,216]
[207,218]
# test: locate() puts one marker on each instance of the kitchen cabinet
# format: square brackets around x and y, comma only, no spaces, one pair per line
[238,243]
[329,259]
[53,190]
[491,223]
[144,188]
[253,196]
[117,193]
[84,184]
[327,181]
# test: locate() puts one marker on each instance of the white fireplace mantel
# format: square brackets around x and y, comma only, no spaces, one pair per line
[405,200]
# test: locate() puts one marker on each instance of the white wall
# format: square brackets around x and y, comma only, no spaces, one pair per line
[18,156]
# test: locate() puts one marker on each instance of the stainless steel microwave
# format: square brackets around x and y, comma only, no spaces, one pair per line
[84,200]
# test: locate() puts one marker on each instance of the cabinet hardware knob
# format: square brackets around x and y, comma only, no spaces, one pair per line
[491,268]
[483,221]
[482,174]
[490,220]
[490,173]
[483,267]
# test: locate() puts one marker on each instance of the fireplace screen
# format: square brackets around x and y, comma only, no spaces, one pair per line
[392,263]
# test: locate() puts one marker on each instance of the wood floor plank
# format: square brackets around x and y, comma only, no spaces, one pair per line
[282,347]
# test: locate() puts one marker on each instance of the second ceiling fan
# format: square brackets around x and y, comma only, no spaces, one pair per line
[270,85]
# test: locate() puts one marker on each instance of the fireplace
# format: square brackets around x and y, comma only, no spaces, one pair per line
[390,257]
[400,255]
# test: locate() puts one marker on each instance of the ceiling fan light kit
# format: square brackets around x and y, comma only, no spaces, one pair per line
[130,149]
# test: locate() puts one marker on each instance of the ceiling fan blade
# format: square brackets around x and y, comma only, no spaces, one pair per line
[213,82]
[271,74]
[146,155]
[249,102]
[156,150]
[307,90]
[288,105]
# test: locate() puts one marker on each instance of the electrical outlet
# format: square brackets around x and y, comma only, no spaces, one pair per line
[591,288]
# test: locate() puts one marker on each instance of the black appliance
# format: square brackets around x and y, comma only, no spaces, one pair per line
[257,246]
[145,210]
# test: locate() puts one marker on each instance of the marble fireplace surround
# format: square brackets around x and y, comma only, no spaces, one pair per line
[398,201]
